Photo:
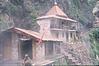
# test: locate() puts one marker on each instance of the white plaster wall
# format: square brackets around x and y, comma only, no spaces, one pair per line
[44,26]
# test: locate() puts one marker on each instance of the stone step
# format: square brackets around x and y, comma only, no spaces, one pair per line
[70,56]
[78,63]
[74,60]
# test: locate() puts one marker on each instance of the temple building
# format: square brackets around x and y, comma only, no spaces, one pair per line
[43,47]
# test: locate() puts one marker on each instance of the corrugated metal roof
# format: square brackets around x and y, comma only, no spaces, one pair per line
[35,34]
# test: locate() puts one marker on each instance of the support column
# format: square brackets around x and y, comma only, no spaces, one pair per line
[65,37]
[69,36]
[14,46]
[40,51]
[73,37]
[34,50]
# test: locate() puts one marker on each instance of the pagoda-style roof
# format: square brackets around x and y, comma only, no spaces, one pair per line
[56,12]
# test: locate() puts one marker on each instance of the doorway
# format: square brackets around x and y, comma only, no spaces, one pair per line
[49,49]
[26,48]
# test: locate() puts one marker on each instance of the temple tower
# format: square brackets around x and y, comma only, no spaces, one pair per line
[55,23]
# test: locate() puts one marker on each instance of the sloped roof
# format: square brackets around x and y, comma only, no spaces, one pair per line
[27,32]
[34,34]
[54,16]
[55,10]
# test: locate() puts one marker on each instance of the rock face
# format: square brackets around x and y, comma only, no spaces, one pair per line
[5,20]
[96,9]
[79,9]
[24,12]
[96,14]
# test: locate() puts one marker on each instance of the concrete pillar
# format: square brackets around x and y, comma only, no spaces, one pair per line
[40,51]
[60,35]
[73,36]
[14,46]
[65,37]
[69,36]
[34,50]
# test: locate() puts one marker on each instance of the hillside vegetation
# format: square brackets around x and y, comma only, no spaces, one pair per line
[23,13]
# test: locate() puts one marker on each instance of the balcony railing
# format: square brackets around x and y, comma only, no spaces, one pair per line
[56,29]
[63,28]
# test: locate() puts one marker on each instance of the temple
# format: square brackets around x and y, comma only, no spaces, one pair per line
[45,47]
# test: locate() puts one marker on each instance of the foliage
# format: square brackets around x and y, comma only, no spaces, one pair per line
[81,10]
[20,11]
[4,26]
[33,14]
[94,39]
[10,8]
[17,2]
[25,8]
[6,22]
[33,18]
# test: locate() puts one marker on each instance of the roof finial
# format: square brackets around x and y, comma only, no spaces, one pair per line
[55,2]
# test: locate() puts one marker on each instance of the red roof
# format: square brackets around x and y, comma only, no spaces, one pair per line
[34,34]
[27,32]
[58,17]
[55,10]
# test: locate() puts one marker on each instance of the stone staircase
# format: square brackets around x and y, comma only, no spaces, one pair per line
[77,53]
[72,60]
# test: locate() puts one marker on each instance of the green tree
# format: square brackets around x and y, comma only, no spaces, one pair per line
[94,39]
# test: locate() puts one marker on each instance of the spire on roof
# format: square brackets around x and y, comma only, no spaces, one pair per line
[55,3]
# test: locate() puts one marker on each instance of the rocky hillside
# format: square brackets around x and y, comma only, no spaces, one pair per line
[24,12]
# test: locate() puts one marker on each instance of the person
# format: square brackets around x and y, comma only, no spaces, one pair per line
[27,60]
